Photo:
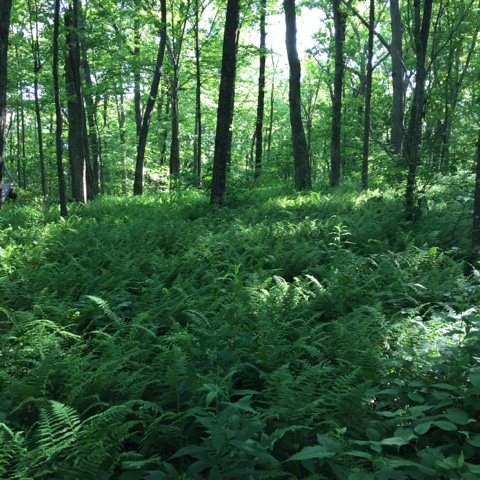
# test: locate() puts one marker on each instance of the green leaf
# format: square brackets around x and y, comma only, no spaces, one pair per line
[446,386]
[444,425]
[395,441]
[461,460]
[475,381]
[416,397]
[318,451]
[474,440]
[361,475]
[458,416]
[423,428]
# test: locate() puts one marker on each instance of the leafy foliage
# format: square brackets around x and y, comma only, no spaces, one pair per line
[293,336]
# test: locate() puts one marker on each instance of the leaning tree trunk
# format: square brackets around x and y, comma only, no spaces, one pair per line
[5,8]
[58,112]
[225,109]
[142,140]
[301,158]
[414,132]
[339,20]
[261,92]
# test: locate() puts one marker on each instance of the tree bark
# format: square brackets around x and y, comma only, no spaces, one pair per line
[368,97]
[302,175]
[339,19]
[77,140]
[36,70]
[414,132]
[197,141]
[142,140]
[225,108]
[58,113]
[261,92]
[396,52]
[5,8]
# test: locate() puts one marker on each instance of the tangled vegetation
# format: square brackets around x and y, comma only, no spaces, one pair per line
[308,336]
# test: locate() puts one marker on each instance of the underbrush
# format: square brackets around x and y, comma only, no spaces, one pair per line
[309,336]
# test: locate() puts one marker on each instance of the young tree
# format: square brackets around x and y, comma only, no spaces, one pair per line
[5,9]
[339,20]
[301,158]
[368,96]
[147,115]
[261,91]
[37,65]
[223,138]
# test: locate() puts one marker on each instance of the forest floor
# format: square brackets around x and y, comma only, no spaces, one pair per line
[287,335]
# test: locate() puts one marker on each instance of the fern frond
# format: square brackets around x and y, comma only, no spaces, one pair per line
[57,428]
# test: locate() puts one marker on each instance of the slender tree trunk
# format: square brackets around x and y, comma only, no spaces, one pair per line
[36,70]
[414,131]
[5,8]
[368,97]
[261,92]
[225,104]
[476,206]
[302,169]
[58,113]
[396,52]
[197,142]
[142,141]
[123,144]
[339,19]
[137,100]
[175,126]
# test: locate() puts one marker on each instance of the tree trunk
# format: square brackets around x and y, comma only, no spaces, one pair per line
[261,92]
[300,148]
[396,52]
[414,132]
[5,8]
[175,126]
[58,112]
[225,104]
[368,97]
[142,140]
[36,70]
[137,101]
[77,141]
[197,141]
[476,206]
[339,19]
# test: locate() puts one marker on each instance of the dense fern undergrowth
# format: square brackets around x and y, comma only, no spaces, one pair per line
[308,336]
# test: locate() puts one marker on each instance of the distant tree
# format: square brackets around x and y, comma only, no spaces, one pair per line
[147,115]
[223,138]
[301,158]
[5,9]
